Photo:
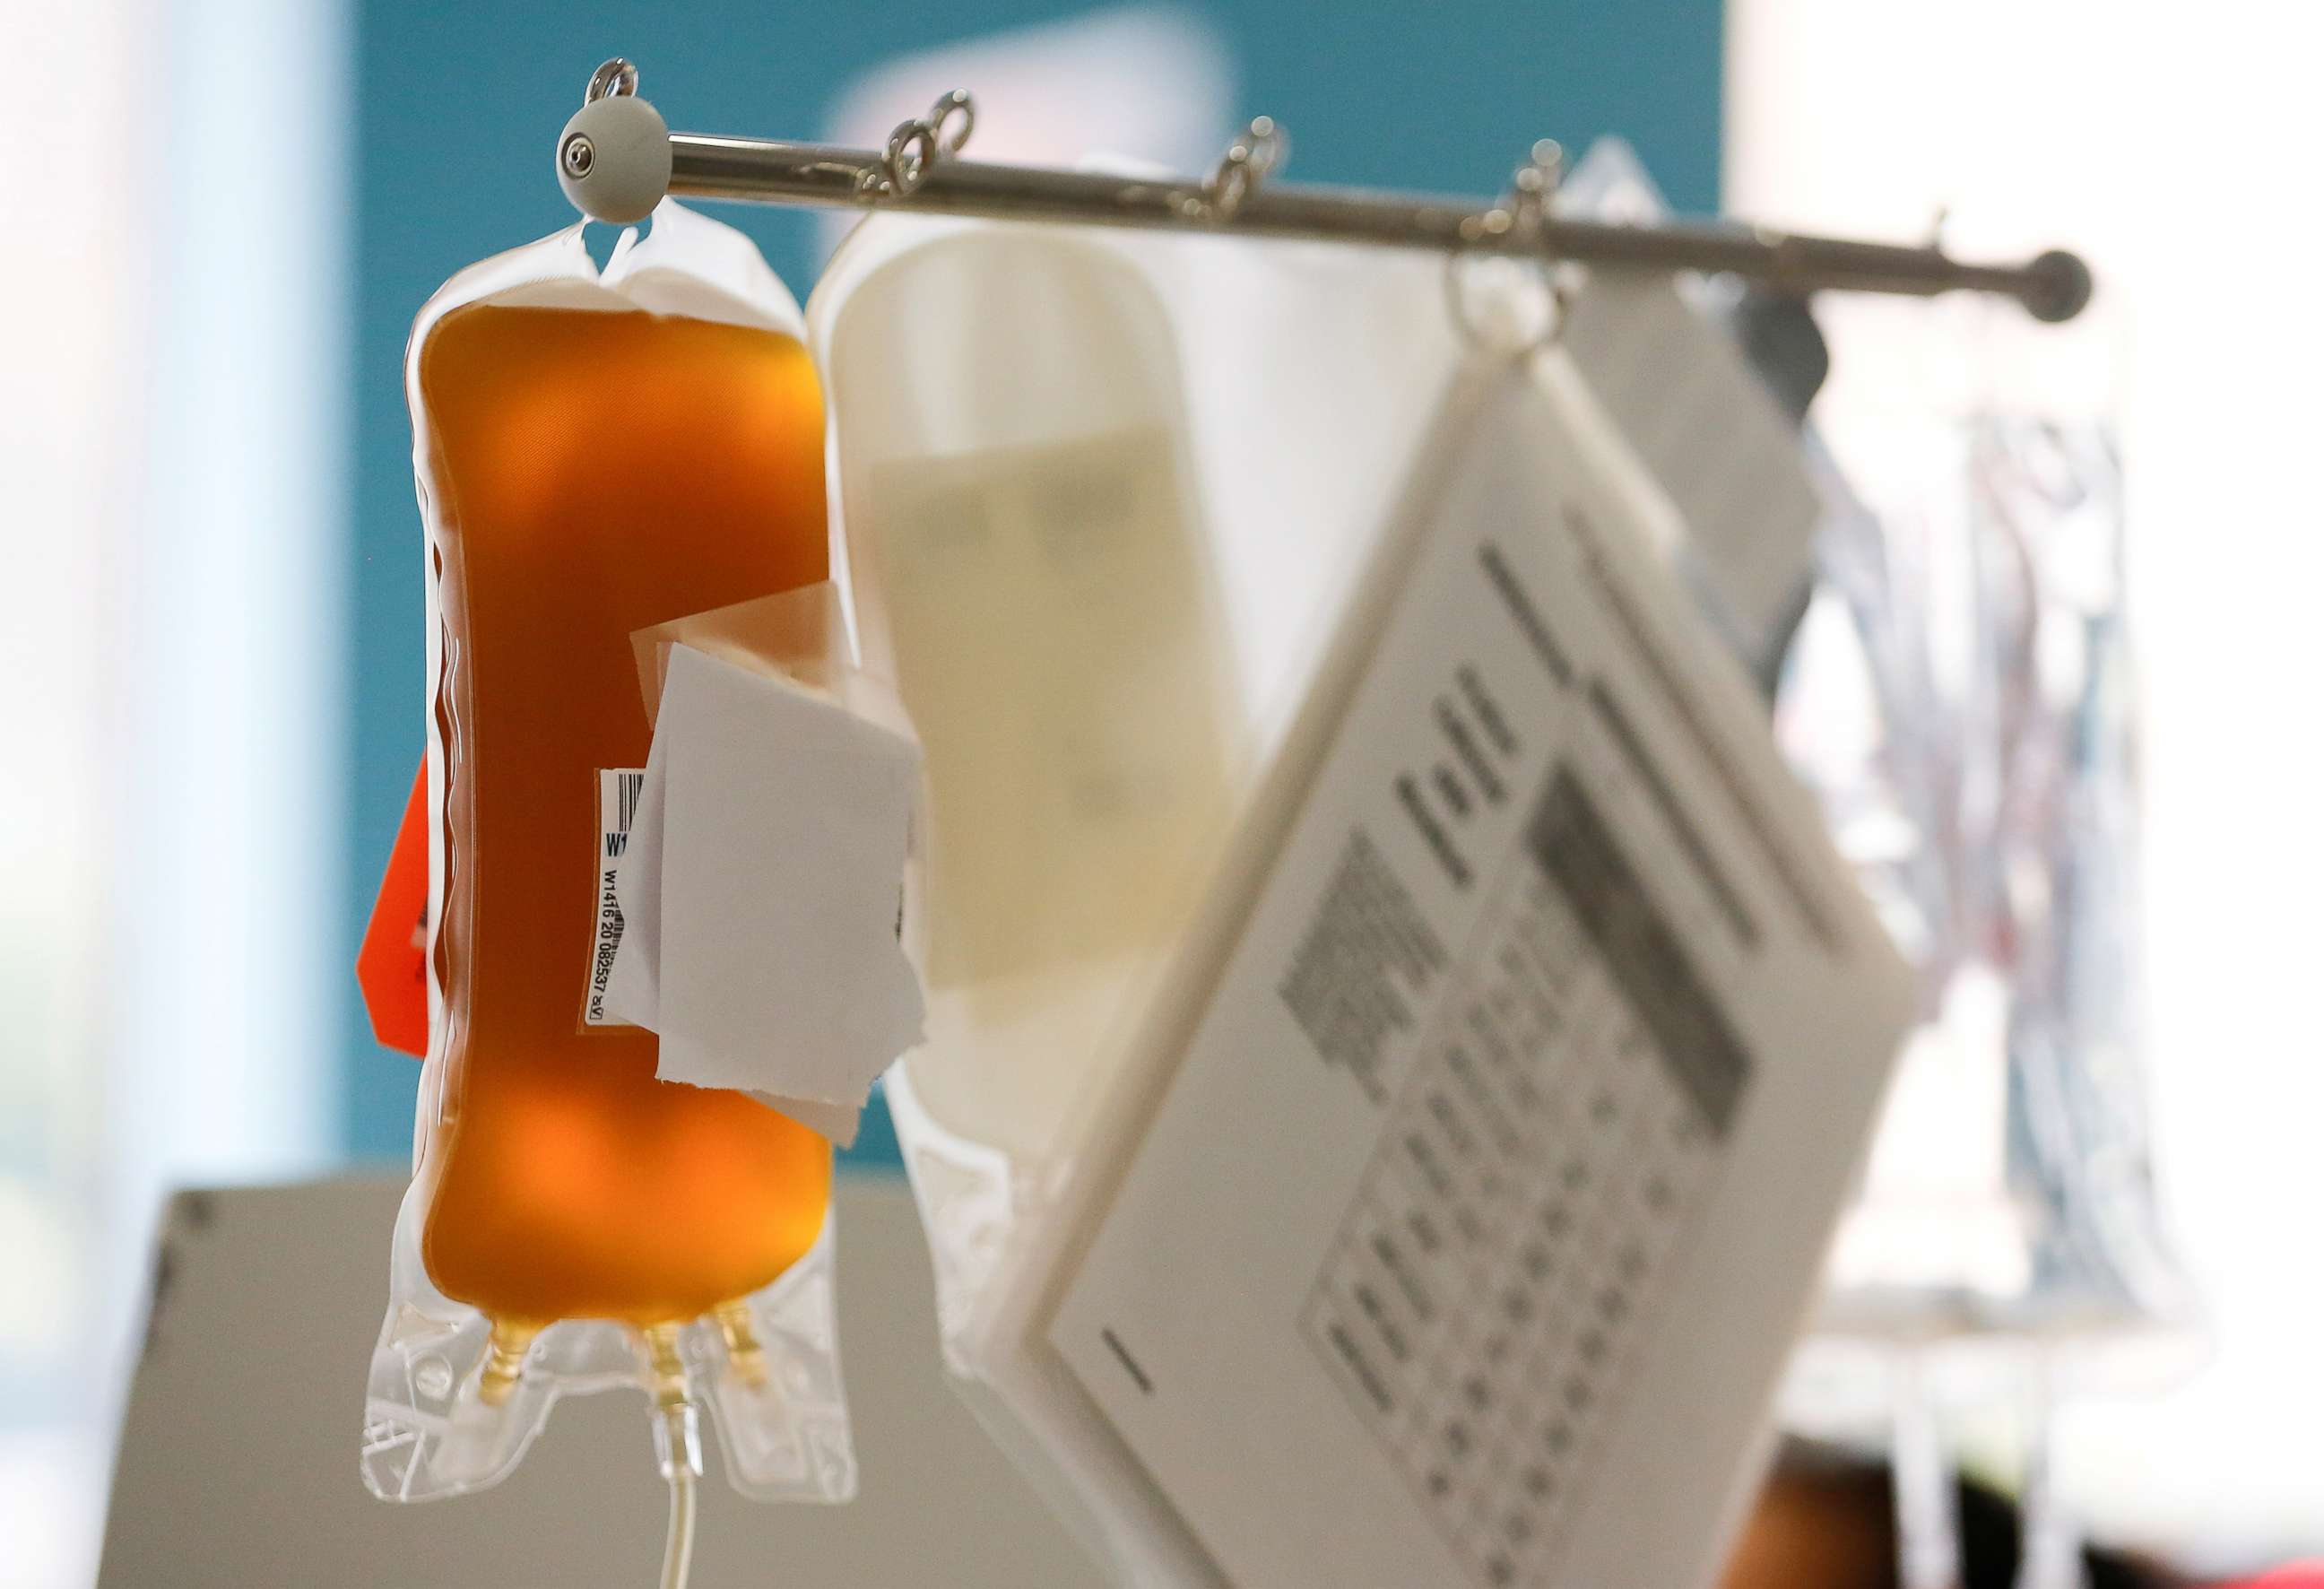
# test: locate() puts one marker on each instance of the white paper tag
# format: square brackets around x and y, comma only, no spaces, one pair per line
[762,881]
[1708,431]
[1469,1238]
[617,802]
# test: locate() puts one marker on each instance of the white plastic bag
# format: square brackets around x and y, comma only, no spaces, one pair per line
[1101,500]
[1028,560]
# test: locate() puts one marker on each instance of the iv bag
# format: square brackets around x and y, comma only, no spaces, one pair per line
[1028,560]
[1963,701]
[1102,502]
[595,453]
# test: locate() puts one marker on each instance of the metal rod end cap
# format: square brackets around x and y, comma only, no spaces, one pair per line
[612,159]
[2061,287]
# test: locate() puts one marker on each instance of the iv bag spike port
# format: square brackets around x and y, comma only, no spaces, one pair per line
[2053,286]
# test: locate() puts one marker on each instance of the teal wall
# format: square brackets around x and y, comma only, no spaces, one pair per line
[459,105]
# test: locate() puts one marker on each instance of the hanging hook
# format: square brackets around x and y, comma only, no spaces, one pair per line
[918,144]
[1519,219]
[1256,153]
[959,105]
[613,77]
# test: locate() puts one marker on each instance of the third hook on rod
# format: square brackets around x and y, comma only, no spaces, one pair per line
[1258,151]
[917,145]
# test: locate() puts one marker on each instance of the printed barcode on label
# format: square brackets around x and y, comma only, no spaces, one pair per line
[626,785]
[618,789]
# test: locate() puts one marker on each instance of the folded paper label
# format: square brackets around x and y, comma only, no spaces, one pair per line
[760,886]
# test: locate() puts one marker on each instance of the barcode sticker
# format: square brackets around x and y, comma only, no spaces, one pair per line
[618,789]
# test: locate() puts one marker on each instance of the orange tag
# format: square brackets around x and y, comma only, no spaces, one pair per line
[392,965]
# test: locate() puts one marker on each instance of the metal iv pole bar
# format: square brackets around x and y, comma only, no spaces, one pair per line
[918,173]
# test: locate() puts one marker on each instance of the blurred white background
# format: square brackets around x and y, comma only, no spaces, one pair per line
[2171,146]
[169,432]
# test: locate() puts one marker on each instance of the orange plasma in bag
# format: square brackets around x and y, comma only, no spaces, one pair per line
[595,473]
